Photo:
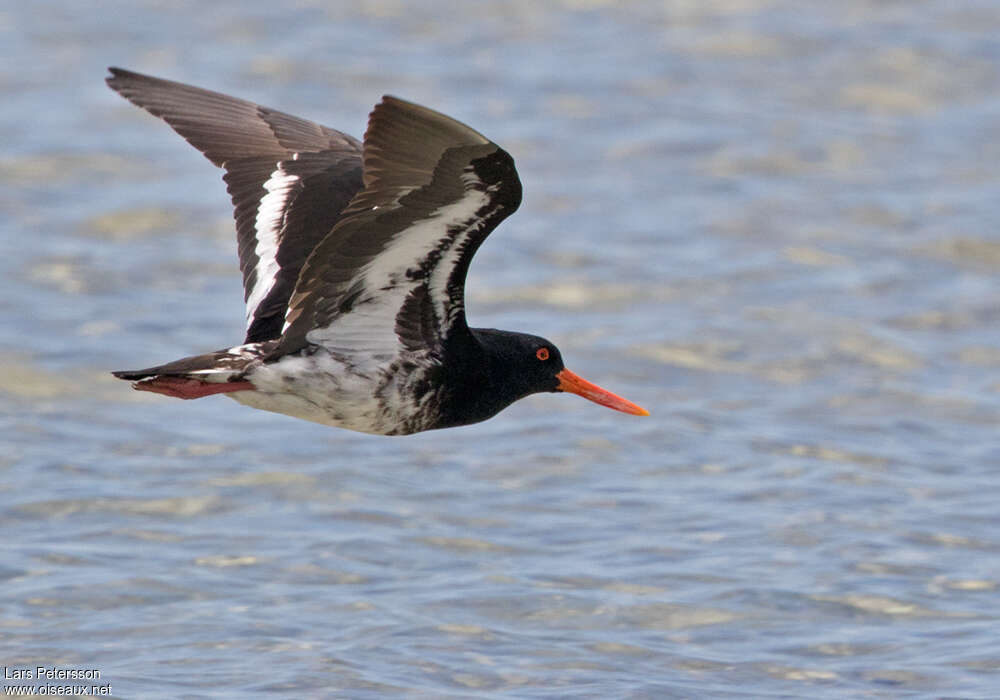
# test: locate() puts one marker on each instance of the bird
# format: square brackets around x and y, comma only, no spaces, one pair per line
[354,257]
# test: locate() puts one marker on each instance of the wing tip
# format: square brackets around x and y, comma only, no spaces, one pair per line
[113,78]
[395,108]
[119,75]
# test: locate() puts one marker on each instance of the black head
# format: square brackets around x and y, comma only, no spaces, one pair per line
[509,366]
[521,364]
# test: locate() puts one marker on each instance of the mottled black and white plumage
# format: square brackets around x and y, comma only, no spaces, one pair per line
[354,258]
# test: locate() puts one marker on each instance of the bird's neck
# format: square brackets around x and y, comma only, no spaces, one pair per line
[477,381]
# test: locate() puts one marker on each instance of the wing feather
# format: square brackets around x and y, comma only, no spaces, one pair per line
[289,180]
[433,191]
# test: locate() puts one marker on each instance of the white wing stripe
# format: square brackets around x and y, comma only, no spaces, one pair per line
[411,247]
[387,286]
[270,216]
[437,284]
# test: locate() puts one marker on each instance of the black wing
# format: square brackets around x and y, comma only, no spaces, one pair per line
[290,180]
[391,274]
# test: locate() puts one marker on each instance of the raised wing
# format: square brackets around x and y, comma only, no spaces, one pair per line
[290,180]
[391,274]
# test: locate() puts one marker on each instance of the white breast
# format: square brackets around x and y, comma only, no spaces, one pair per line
[321,388]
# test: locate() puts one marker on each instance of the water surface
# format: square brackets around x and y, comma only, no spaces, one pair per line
[771,223]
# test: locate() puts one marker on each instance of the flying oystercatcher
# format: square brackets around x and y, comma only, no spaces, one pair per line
[354,257]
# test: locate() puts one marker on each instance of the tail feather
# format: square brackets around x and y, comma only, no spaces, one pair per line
[199,375]
[136,374]
[222,364]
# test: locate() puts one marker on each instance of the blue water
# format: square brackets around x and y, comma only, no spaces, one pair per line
[773,224]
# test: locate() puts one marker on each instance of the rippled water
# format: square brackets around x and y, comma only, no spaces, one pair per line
[774,224]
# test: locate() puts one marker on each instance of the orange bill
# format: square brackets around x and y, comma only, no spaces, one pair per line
[575,384]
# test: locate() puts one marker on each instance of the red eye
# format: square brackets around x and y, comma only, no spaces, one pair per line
[542,354]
